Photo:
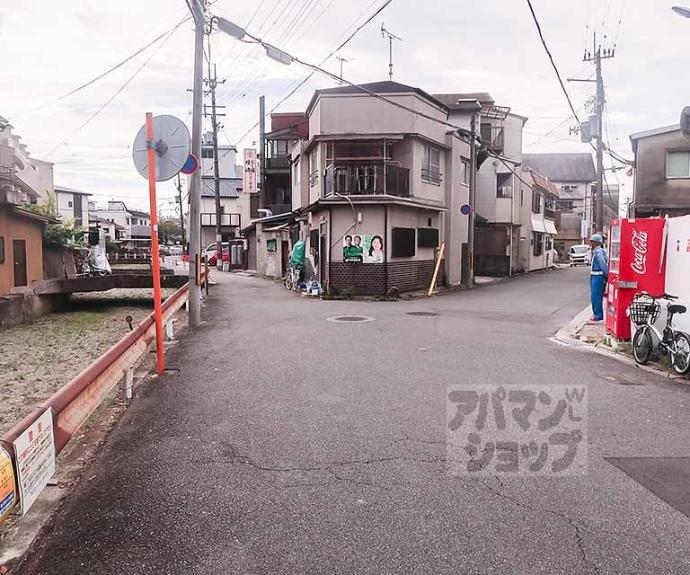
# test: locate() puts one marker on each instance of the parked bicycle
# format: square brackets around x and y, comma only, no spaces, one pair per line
[644,311]
[291,280]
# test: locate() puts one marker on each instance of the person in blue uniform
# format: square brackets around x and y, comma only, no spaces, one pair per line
[598,276]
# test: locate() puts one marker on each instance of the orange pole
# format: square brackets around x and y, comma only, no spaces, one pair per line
[155,261]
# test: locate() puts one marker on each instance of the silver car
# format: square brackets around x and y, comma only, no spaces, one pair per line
[580,255]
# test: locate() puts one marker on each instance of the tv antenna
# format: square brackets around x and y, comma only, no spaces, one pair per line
[388,34]
[341,60]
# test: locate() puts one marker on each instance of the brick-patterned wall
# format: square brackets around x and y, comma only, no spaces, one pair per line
[364,279]
[370,279]
[411,275]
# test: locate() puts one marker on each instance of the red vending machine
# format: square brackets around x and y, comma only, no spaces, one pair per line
[636,263]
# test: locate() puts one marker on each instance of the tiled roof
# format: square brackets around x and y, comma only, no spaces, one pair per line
[562,167]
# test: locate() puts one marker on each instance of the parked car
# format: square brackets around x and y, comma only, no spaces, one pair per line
[580,255]
[175,250]
[210,253]
[164,250]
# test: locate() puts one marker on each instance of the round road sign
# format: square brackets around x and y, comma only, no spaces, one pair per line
[465,209]
[171,143]
[191,165]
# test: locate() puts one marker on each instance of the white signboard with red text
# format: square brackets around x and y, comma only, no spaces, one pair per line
[678,267]
[250,171]
[35,458]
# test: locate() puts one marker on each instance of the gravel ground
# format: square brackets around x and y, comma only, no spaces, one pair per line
[38,359]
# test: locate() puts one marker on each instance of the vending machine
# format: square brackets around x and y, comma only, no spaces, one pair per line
[678,267]
[636,263]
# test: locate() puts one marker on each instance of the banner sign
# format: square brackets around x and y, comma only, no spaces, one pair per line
[250,169]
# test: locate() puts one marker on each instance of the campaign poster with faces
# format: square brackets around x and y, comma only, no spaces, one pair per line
[363,248]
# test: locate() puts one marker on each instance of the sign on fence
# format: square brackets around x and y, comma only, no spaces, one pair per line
[35,455]
[8,490]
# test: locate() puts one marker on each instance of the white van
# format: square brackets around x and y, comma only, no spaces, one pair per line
[580,255]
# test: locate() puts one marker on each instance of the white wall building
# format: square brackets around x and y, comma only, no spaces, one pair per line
[72,205]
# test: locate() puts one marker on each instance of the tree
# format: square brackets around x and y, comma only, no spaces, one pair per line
[58,234]
[169,232]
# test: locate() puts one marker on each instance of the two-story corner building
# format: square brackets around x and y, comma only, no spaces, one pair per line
[136,224]
[661,183]
[574,175]
[230,179]
[286,130]
[72,205]
[379,186]
[538,206]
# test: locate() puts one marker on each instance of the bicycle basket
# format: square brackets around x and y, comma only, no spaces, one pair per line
[642,311]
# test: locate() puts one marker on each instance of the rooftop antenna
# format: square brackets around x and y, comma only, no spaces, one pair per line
[386,33]
[341,60]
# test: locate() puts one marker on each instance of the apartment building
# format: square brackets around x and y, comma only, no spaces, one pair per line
[73,205]
[662,173]
[538,209]
[135,225]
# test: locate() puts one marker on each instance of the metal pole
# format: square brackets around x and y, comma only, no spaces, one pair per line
[216,176]
[471,218]
[599,204]
[179,200]
[262,151]
[195,180]
[155,257]
[390,57]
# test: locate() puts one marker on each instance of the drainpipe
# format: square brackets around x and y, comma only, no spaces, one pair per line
[385,249]
[330,248]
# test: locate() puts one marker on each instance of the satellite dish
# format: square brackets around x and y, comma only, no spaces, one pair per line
[171,143]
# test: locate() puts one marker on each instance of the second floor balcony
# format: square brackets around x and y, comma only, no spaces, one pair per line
[226,220]
[367,179]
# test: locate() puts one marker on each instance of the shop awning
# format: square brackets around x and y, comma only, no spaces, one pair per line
[538,223]
[550,227]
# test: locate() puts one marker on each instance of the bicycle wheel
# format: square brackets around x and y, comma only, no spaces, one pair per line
[681,353]
[642,345]
[288,281]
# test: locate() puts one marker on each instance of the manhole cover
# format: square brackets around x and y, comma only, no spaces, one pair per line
[351,318]
[422,313]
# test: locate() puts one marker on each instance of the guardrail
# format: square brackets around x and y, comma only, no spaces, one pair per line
[78,399]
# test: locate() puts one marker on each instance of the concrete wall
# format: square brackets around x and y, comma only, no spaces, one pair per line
[364,114]
[15,227]
[652,191]
[269,263]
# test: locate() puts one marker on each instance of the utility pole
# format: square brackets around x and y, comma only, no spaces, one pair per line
[596,56]
[387,34]
[469,276]
[179,203]
[262,151]
[198,12]
[212,83]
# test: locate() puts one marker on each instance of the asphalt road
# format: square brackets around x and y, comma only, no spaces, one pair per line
[287,443]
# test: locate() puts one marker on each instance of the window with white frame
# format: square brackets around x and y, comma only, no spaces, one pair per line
[431,165]
[465,171]
[678,164]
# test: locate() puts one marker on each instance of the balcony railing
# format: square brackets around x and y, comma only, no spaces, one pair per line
[492,136]
[367,179]
[279,208]
[550,213]
[226,220]
[278,163]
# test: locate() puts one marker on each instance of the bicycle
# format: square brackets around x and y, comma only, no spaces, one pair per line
[644,311]
[291,281]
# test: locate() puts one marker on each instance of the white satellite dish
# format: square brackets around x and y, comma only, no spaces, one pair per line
[171,142]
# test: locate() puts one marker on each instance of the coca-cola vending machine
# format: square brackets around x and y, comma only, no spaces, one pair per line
[636,263]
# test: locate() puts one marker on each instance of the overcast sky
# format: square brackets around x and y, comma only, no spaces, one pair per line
[50,48]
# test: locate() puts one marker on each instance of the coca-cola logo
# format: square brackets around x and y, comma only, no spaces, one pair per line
[639,245]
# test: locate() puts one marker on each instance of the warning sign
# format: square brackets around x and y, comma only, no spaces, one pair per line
[8,490]
[35,454]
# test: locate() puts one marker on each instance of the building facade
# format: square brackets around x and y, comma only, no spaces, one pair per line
[72,205]
[135,232]
[662,173]
[230,181]
[538,206]
[574,176]
[376,188]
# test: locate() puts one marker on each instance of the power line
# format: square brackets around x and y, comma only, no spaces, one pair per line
[103,74]
[118,91]
[309,76]
[553,63]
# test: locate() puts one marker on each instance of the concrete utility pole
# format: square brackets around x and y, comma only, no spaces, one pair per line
[179,203]
[469,277]
[198,11]
[597,56]
[212,84]
[262,151]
